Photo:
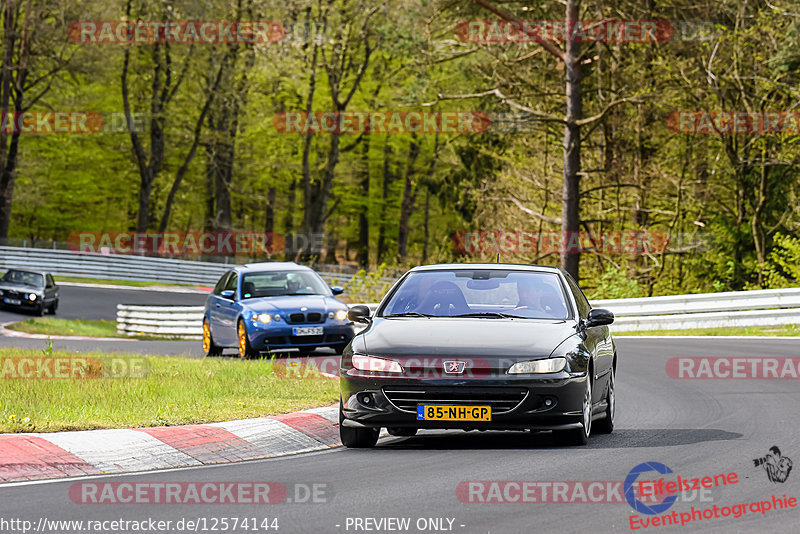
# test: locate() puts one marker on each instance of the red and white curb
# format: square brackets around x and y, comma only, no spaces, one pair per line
[91,452]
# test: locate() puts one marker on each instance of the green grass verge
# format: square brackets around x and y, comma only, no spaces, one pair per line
[130,283]
[787,330]
[51,326]
[174,391]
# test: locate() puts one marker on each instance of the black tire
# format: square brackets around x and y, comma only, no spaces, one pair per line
[580,436]
[246,351]
[339,349]
[209,347]
[606,425]
[53,307]
[357,438]
[402,432]
[40,310]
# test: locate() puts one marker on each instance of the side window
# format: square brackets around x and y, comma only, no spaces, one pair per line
[221,284]
[232,284]
[580,298]
[50,281]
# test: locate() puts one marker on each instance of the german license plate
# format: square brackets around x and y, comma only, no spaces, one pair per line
[307,331]
[15,302]
[429,412]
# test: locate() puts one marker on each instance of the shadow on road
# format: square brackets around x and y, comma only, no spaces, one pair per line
[621,439]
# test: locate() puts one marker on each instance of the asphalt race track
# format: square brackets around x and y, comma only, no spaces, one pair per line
[95,303]
[695,427]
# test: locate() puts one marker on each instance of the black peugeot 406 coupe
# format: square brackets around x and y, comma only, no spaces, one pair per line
[479,346]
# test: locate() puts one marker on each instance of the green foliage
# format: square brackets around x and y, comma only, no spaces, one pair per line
[368,286]
[615,284]
[782,268]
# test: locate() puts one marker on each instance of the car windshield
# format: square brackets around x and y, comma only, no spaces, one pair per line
[281,283]
[485,293]
[23,277]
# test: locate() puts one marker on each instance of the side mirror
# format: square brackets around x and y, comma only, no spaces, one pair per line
[227,294]
[359,314]
[337,290]
[599,317]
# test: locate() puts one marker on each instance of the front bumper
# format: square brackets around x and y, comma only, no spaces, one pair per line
[546,403]
[272,336]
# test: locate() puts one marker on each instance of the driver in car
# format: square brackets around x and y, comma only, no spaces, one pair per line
[530,296]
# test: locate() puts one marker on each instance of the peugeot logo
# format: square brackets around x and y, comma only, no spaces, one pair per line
[454,367]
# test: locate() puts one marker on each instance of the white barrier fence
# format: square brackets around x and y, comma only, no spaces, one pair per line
[130,267]
[707,310]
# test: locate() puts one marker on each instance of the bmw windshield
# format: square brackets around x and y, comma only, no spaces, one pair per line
[23,278]
[480,294]
[282,283]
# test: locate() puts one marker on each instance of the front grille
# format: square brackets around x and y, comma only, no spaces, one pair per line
[12,294]
[501,399]
[302,318]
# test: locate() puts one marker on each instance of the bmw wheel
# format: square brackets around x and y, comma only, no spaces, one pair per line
[245,350]
[209,348]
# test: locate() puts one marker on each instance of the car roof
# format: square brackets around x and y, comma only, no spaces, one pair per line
[488,266]
[271,266]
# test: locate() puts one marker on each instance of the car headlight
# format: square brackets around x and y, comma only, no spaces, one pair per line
[263,318]
[370,363]
[32,297]
[547,365]
[341,315]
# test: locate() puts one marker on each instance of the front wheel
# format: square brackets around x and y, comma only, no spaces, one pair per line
[245,350]
[53,307]
[580,436]
[606,426]
[357,438]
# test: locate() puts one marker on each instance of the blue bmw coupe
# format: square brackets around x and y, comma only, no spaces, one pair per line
[269,307]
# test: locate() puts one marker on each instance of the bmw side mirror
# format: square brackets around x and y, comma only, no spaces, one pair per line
[359,314]
[337,290]
[227,294]
[599,317]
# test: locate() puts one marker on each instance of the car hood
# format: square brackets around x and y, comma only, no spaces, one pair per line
[20,287]
[314,303]
[510,338]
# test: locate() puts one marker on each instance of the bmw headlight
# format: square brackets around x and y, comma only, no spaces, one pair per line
[547,365]
[341,315]
[262,318]
[32,297]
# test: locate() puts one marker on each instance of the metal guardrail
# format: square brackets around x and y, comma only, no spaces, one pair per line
[706,310]
[129,267]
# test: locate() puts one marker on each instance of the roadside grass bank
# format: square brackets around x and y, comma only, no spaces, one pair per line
[786,330]
[129,283]
[145,391]
[51,326]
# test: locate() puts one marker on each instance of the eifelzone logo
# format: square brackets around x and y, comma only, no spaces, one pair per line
[777,467]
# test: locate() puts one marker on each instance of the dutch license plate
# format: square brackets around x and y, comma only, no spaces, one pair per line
[307,331]
[12,301]
[429,412]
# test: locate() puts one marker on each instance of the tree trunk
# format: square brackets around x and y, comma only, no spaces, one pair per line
[407,203]
[363,215]
[387,181]
[570,213]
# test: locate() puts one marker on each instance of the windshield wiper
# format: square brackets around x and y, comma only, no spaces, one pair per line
[497,315]
[408,314]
